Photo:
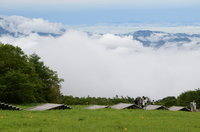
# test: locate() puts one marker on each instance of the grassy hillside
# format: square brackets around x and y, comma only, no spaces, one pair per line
[107,120]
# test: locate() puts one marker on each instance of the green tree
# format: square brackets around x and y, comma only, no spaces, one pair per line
[50,81]
[185,98]
[25,79]
[167,101]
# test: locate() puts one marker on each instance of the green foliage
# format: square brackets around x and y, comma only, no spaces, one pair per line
[25,79]
[50,90]
[95,100]
[185,98]
[167,101]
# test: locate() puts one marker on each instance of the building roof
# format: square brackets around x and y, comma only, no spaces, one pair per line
[125,106]
[155,107]
[49,106]
[178,108]
[92,107]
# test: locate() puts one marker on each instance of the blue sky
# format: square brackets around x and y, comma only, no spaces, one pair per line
[79,12]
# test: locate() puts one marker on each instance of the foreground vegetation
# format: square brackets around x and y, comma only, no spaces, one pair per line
[183,99]
[104,120]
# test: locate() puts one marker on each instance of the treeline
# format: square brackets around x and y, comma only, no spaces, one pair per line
[25,79]
[70,100]
[183,99]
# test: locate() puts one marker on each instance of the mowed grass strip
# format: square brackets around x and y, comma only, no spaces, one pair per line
[104,120]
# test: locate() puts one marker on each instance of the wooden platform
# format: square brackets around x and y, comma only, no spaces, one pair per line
[48,106]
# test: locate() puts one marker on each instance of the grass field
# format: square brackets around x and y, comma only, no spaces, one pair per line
[105,120]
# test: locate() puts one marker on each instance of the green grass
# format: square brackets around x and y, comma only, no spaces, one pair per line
[105,120]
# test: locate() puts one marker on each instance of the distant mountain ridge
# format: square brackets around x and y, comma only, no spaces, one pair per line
[16,26]
[158,38]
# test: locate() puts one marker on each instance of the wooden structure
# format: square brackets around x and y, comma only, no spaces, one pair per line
[49,106]
[155,107]
[125,106]
[178,108]
[93,107]
[4,106]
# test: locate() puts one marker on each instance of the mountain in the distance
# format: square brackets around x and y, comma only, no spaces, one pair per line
[158,38]
[17,26]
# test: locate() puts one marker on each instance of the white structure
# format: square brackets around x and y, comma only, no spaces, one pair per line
[178,108]
[155,107]
[49,106]
[125,106]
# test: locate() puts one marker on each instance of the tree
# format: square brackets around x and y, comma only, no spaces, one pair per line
[25,79]
[50,81]
[167,101]
[185,98]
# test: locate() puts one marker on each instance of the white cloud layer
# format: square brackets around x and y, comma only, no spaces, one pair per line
[26,26]
[110,65]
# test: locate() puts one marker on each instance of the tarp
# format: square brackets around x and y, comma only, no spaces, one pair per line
[155,107]
[125,106]
[178,108]
[48,106]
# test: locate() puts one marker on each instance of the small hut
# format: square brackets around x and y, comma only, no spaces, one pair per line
[125,106]
[155,107]
[178,108]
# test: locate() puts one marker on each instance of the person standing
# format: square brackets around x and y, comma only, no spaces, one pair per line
[193,106]
[136,101]
[145,101]
[142,102]
[153,102]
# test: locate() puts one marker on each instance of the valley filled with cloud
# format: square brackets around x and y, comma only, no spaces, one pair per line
[154,63]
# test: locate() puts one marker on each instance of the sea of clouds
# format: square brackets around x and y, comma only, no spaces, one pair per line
[107,65]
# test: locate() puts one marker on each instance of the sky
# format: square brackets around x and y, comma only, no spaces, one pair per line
[107,65]
[79,12]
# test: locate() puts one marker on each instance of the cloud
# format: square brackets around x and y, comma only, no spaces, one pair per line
[19,24]
[108,65]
